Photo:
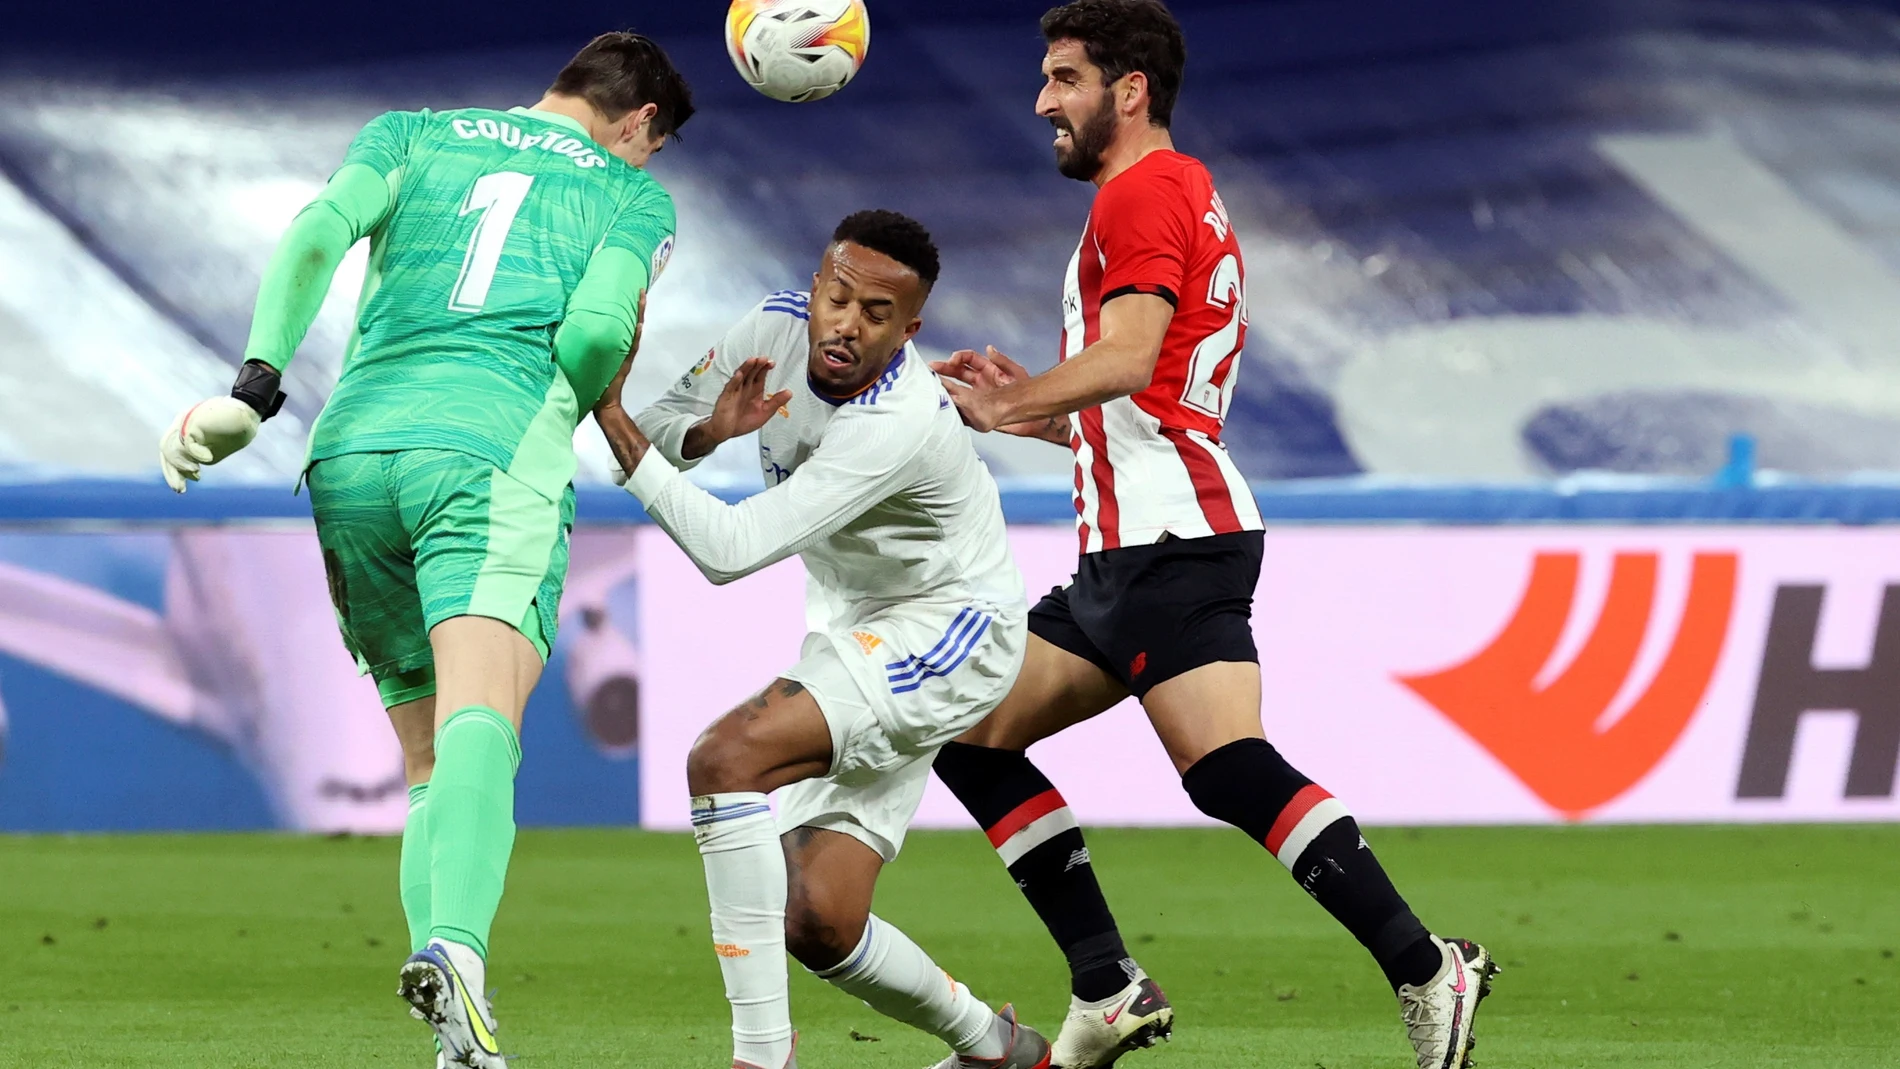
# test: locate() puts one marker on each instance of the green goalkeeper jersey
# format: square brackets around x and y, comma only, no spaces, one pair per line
[508,252]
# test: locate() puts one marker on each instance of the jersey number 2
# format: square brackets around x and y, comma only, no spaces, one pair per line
[1211,373]
[498,197]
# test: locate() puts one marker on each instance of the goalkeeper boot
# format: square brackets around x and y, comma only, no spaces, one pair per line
[1026,1050]
[1439,1013]
[459,1014]
[1095,1034]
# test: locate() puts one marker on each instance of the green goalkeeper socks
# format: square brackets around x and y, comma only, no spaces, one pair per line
[413,876]
[471,823]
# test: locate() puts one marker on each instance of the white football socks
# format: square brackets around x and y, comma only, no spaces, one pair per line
[897,979]
[745,882]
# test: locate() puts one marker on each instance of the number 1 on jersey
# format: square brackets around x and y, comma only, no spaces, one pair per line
[498,197]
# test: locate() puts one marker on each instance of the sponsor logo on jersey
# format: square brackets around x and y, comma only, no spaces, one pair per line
[867,641]
[509,134]
[660,256]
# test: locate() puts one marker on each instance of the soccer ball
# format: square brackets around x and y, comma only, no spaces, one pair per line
[797,50]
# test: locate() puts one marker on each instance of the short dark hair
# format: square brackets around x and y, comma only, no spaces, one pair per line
[894,234]
[1124,36]
[620,72]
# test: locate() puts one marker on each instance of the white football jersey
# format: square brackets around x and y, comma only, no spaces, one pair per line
[883,494]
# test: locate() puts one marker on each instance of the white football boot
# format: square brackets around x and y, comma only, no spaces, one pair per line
[1439,1014]
[1095,1034]
[460,1016]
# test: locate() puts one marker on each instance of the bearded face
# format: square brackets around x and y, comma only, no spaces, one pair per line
[1082,140]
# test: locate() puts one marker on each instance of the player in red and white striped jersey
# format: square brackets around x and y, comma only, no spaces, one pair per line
[1150,463]
[1154,318]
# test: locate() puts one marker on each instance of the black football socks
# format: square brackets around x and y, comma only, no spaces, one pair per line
[1036,835]
[1249,785]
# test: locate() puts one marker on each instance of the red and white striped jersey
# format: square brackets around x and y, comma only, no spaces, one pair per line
[1153,463]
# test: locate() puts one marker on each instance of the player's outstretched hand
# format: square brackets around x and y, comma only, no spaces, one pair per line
[971,376]
[964,368]
[1008,370]
[987,369]
[744,406]
[205,433]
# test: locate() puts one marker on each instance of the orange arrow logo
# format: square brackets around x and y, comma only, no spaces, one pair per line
[1549,738]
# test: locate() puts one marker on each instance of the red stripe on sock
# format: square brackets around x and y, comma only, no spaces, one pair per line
[1023,815]
[1310,795]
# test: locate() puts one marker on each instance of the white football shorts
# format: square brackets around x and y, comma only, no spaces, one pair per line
[894,688]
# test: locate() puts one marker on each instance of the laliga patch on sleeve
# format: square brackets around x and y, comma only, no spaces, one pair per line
[660,256]
[686,380]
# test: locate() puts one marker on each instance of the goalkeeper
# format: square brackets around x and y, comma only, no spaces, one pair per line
[510,253]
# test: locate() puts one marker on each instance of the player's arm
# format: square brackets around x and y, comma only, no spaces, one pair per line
[1120,363]
[1055,430]
[356,200]
[705,408]
[967,367]
[1143,232]
[864,458]
[594,347]
[595,344]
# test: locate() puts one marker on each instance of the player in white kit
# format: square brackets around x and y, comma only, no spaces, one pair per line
[917,622]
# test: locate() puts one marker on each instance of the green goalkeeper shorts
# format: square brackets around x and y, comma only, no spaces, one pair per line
[416,537]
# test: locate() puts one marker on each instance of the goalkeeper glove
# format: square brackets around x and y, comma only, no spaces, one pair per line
[216,427]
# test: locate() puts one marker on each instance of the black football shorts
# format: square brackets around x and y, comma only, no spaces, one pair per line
[1145,614]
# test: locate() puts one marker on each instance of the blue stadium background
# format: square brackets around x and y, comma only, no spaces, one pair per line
[1507,261]
[1485,240]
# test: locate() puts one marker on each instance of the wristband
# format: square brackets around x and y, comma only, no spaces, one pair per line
[257,386]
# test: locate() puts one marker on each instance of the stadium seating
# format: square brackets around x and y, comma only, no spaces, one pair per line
[1480,247]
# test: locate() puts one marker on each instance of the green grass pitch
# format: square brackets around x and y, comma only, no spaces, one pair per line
[1678,947]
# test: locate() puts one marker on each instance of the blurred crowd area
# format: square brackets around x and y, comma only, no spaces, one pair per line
[1485,240]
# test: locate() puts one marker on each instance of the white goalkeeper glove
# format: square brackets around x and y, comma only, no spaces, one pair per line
[216,427]
[205,433]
